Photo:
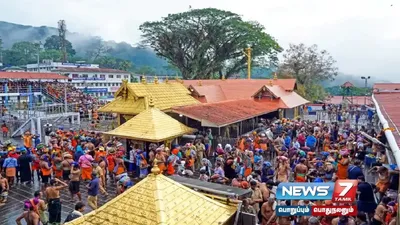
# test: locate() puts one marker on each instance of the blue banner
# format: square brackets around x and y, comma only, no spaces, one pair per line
[293,210]
[95,90]
[305,191]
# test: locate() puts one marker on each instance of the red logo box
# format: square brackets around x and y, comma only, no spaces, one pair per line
[346,210]
[345,191]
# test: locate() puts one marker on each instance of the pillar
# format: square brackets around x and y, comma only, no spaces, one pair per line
[6,97]
[19,101]
[39,128]
[30,97]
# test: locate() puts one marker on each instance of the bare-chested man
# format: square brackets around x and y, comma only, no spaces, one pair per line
[267,212]
[66,166]
[53,200]
[380,212]
[75,181]
[303,220]
[4,188]
[30,217]
[283,170]
[300,171]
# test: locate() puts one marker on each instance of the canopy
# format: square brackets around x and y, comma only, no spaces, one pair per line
[159,200]
[151,125]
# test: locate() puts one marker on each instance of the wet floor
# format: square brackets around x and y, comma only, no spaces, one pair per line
[19,193]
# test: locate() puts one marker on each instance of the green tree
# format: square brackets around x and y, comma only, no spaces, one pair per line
[54,43]
[145,70]
[1,50]
[125,65]
[21,53]
[310,67]
[96,49]
[308,64]
[52,54]
[204,42]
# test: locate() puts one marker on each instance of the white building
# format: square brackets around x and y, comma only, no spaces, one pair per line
[47,66]
[99,82]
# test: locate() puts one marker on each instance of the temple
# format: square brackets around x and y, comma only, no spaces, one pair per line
[158,200]
[233,105]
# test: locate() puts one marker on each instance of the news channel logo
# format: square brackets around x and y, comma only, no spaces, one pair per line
[343,191]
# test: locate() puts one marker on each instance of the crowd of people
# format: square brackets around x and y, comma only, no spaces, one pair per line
[278,151]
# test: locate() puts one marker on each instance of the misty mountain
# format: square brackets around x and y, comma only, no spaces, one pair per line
[11,33]
[355,80]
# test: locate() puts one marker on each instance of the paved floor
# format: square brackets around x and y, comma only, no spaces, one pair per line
[19,193]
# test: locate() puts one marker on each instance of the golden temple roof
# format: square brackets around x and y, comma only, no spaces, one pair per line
[158,200]
[130,98]
[151,125]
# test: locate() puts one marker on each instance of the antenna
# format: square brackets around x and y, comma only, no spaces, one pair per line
[62,30]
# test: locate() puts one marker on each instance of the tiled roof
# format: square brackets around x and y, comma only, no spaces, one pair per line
[151,125]
[90,70]
[158,200]
[289,99]
[390,111]
[211,93]
[347,84]
[253,84]
[357,100]
[379,87]
[220,114]
[164,95]
[29,75]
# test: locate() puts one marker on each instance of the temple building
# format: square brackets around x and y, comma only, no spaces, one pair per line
[158,200]
[230,107]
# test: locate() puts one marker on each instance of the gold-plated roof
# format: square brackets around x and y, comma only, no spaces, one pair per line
[129,99]
[158,200]
[151,125]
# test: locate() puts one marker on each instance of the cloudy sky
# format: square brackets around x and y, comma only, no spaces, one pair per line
[362,35]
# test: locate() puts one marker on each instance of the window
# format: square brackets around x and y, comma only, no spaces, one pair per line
[126,76]
[75,75]
[96,84]
[85,76]
[102,76]
[95,75]
[118,76]
[110,76]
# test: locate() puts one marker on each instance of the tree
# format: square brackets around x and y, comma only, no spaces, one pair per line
[308,64]
[1,50]
[52,54]
[97,48]
[54,43]
[21,53]
[145,70]
[204,42]
[114,63]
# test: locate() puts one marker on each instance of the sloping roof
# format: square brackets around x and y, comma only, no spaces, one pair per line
[211,93]
[357,100]
[347,84]
[131,97]
[29,75]
[151,125]
[158,200]
[220,114]
[253,84]
[390,111]
[289,98]
[381,87]
[90,70]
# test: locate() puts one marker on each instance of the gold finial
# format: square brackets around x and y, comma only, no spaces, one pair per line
[223,77]
[124,82]
[151,103]
[270,83]
[177,78]
[275,76]
[155,170]
[166,79]
[144,81]
[200,83]
[156,80]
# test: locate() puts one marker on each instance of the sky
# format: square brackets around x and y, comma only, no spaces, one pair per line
[363,36]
